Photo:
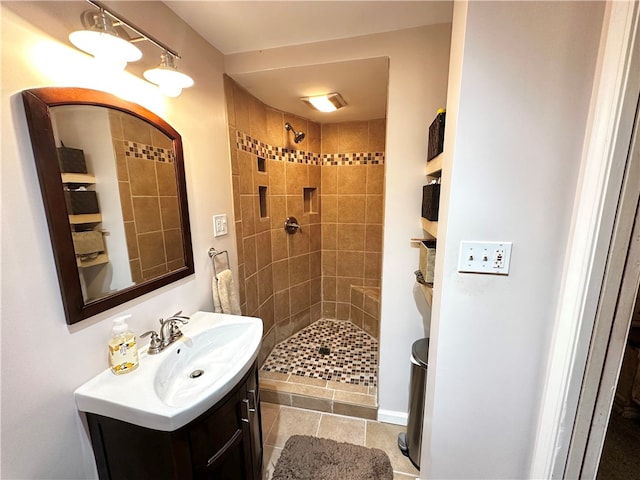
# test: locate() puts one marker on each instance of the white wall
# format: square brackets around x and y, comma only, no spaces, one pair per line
[43,359]
[521,78]
[418,63]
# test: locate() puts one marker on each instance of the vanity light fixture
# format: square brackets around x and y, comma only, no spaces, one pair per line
[101,39]
[167,77]
[328,102]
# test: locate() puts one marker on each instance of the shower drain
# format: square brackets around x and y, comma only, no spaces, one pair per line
[196,373]
[324,351]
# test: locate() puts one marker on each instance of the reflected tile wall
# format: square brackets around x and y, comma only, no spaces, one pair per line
[148,196]
[292,280]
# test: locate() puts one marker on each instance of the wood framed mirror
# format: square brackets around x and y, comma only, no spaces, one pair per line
[112,179]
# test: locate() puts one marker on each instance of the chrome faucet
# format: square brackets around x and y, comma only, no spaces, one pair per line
[161,341]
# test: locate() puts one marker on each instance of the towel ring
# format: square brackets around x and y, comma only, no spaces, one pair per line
[213,253]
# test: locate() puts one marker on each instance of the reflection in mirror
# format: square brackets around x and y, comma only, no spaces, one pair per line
[115,198]
[123,203]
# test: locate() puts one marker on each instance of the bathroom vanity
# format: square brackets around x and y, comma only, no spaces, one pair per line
[189,411]
[225,442]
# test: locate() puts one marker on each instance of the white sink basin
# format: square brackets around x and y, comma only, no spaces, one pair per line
[175,386]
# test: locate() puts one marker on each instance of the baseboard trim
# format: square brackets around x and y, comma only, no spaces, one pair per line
[391,416]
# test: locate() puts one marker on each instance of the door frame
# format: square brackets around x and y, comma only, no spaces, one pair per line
[596,221]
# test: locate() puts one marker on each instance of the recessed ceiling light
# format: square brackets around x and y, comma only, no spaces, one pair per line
[328,102]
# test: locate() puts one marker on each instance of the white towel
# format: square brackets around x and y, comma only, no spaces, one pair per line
[225,299]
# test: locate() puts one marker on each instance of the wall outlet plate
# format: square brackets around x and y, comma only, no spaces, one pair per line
[484,257]
[220,225]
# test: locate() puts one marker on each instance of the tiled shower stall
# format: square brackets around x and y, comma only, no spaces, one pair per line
[332,183]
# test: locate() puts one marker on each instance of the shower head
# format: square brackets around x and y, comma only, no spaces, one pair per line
[297,136]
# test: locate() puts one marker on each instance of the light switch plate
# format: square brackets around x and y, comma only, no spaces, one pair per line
[220,225]
[485,257]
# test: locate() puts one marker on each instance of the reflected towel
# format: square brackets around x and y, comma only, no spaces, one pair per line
[225,299]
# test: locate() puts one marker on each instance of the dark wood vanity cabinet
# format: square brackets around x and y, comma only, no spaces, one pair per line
[224,443]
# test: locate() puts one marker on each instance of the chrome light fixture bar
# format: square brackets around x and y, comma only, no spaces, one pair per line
[101,40]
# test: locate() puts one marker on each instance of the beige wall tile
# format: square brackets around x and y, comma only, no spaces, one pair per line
[279,244]
[159,139]
[357,297]
[277,210]
[258,119]
[299,298]
[282,306]
[314,132]
[242,102]
[352,179]
[329,236]
[121,161]
[330,141]
[353,137]
[329,289]
[329,179]
[371,325]
[342,311]
[298,269]
[355,316]
[377,133]
[351,209]
[328,309]
[146,212]
[277,179]
[132,240]
[115,124]
[275,128]
[350,264]
[315,237]
[142,176]
[281,275]
[229,99]
[351,236]
[329,267]
[245,172]
[375,179]
[315,291]
[151,247]
[265,284]
[154,272]
[267,313]
[251,286]
[137,130]
[173,245]
[125,201]
[233,152]
[136,271]
[297,177]
[329,208]
[247,214]
[169,212]
[372,265]
[373,238]
[299,242]
[250,255]
[166,175]
[311,403]
[315,264]
[375,209]
[263,250]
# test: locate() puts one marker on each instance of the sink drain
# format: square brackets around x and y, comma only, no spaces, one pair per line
[196,373]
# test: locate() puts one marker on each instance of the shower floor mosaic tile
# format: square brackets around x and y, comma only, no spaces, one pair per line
[352,356]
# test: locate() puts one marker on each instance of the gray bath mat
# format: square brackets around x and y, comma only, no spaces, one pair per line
[312,458]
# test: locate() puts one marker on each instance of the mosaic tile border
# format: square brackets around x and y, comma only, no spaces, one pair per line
[353,356]
[252,145]
[148,152]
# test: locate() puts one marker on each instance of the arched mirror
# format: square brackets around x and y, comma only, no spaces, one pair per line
[112,180]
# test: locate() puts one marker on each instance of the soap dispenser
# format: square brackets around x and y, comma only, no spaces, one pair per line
[123,347]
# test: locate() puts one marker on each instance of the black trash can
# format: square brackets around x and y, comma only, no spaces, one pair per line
[411,441]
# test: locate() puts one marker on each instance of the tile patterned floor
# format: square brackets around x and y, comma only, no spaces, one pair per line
[280,422]
[352,357]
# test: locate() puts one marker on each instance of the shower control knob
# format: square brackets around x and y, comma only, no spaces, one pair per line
[291,225]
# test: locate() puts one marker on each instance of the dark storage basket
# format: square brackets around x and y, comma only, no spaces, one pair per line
[436,136]
[71,160]
[80,202]
[431,201]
